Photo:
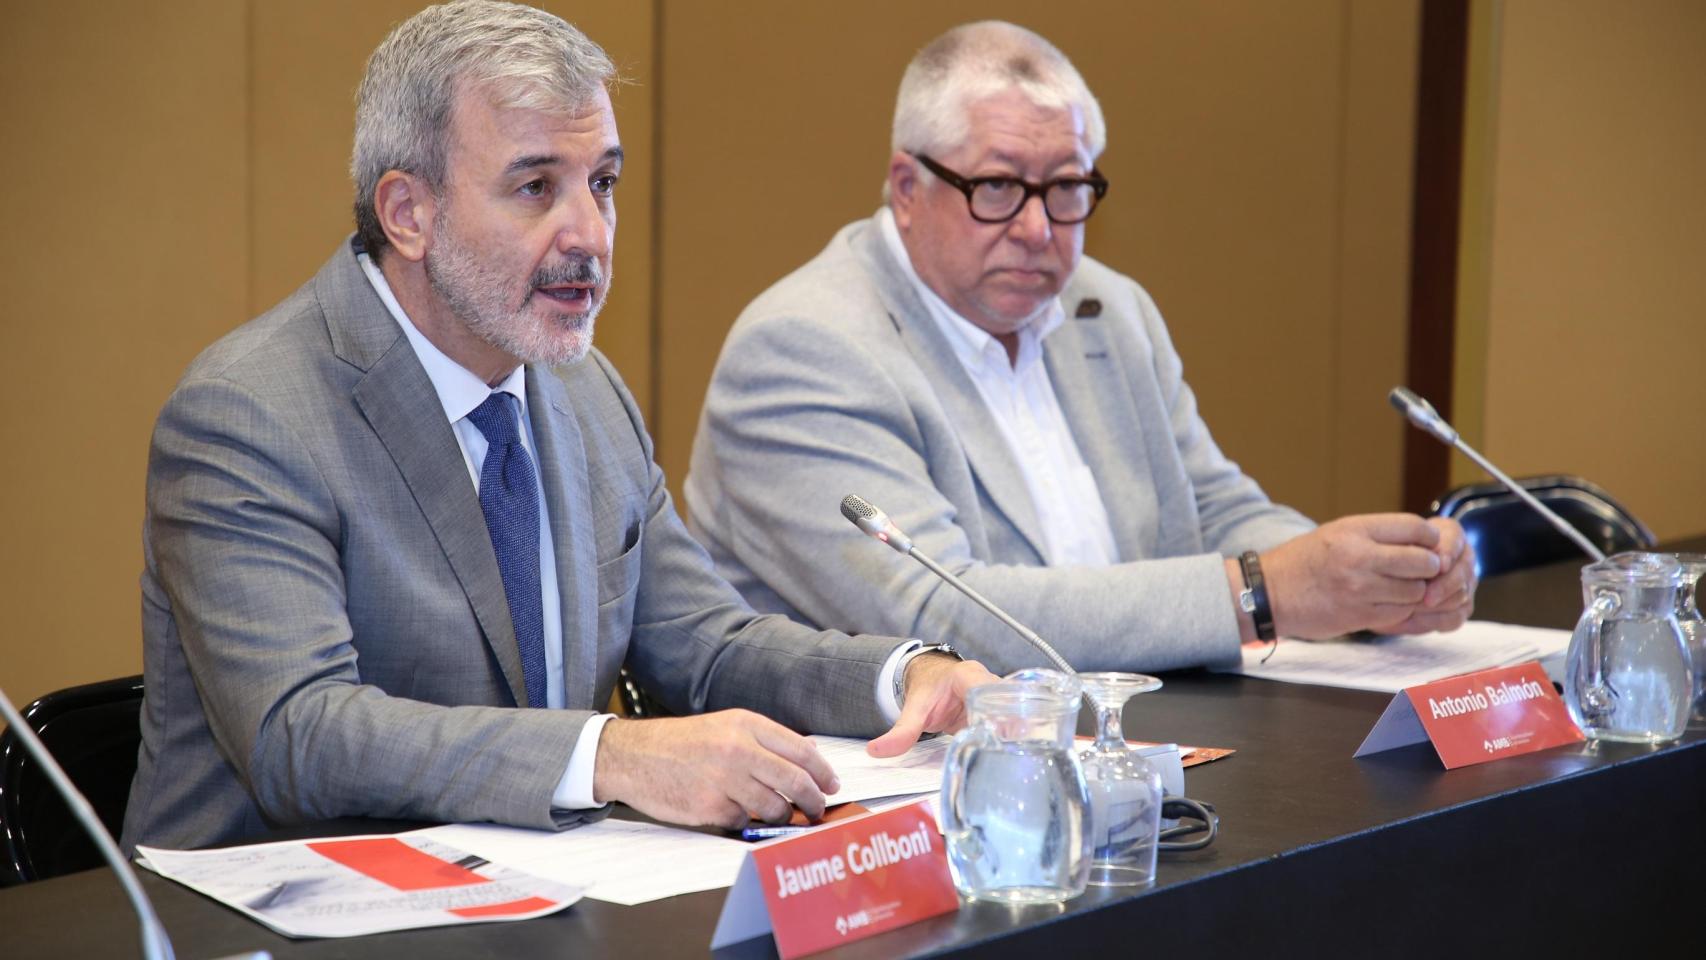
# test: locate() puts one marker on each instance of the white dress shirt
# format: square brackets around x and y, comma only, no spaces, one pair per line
[1021,399]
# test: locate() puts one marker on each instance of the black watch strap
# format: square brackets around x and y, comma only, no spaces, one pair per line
[1256,590]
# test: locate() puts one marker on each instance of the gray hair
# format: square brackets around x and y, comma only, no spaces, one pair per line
[977,60]
[520,56]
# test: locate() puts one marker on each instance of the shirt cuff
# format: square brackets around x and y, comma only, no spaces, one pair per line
[574,791]
[892,668]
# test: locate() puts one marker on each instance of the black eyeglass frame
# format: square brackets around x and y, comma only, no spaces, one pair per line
[1097,183]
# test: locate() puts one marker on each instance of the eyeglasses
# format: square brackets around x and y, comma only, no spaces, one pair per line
[1066,200]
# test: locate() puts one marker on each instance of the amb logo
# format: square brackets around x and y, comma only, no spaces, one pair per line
[852,921]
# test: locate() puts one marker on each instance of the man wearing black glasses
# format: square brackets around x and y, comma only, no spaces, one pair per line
[1018,409]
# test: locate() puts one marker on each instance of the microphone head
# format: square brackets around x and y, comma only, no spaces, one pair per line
[1422,414]
[1403,399]
[874,522]
[856,508]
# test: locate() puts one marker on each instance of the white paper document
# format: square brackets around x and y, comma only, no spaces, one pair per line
[350,886]
[469,873]
[864,777]
[1389,664]
[618,861]
[626,862]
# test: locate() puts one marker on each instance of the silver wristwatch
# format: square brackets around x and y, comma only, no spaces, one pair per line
[906,660]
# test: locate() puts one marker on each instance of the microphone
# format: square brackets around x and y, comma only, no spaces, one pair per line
[1423,415]
[155,944]
[877,524]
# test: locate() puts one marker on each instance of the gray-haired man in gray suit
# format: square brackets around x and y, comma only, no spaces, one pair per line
[1020,412]
[378,523]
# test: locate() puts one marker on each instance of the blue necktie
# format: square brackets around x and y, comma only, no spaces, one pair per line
[510,501]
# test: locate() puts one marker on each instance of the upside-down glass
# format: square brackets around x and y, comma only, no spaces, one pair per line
[1125,789]
[1627,674]
[1693,625]
[1015,810]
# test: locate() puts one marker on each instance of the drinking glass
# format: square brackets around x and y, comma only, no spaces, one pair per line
[1125,789]
[1693,625]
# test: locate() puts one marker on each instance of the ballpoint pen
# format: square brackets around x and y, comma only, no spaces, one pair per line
[771,833]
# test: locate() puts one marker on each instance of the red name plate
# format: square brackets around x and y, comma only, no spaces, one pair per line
[840,883]
[1476,717]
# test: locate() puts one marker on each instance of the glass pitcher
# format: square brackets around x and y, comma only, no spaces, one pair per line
[1627,675]
[1014,801]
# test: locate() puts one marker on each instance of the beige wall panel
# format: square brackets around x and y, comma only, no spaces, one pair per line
[308,60]
[1225,153]
[1254,158]
[1598,240]
[1371,319]
[125,253]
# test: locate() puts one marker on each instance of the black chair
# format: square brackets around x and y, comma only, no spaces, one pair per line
[1508,534]
[93,731]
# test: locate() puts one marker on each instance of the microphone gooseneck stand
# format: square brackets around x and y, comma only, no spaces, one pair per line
[1424,417]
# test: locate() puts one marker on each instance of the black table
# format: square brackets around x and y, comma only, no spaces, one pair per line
[1573,851]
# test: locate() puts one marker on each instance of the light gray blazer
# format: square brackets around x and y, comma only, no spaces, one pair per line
[836,381]
[324,626]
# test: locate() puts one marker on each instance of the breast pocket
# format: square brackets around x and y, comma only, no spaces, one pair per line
[618,588]
[618,576]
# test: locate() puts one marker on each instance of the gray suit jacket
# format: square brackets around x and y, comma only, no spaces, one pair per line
[836,381]
[324,626]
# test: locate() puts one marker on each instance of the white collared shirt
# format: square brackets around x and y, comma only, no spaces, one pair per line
[460,391]
[1021,399]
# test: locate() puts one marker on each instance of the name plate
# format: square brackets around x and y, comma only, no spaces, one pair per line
[1476,717]
[840,883]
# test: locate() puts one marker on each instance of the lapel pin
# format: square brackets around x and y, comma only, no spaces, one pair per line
[1089,307]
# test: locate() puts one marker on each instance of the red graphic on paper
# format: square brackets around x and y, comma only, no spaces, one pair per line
[505,909]
[396,864]
[401,867]
[845,882]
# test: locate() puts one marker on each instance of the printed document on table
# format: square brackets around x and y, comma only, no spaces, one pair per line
[351,886]
[617,861]
[1391,663]
[864,777]
[626,862]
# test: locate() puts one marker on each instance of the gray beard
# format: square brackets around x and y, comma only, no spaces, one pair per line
[479,297]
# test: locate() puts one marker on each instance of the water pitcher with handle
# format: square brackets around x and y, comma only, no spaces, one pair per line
[1014,800]
[1627,673]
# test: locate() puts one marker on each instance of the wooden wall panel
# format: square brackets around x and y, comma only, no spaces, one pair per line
[308,58]
[1254,150]
[1373,256]
[1260,189]
[1598,236]
[124,254]
[177,168]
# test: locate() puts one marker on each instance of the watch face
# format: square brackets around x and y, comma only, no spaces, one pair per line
[1247,601]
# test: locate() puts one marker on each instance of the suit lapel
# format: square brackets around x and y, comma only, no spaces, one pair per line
[1084,369]
[987,451]
[568,504]
[399,402]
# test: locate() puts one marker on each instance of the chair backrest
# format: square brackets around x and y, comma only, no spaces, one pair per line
[93,731]
[636,702]
[1508,534]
